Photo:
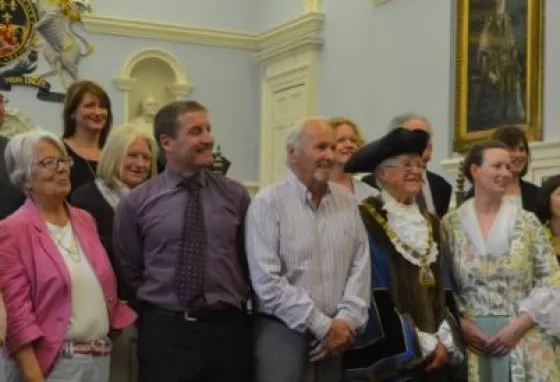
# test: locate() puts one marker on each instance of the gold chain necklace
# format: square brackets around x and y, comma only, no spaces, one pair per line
[426,276]
[73,251]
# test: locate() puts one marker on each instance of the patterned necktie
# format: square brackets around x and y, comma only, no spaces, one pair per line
[189,274]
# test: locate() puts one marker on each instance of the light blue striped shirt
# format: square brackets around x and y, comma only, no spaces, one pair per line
[308,265]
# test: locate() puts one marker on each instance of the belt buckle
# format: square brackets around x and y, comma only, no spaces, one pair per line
[189,318]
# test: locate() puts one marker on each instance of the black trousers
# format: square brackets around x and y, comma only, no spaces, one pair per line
[173,349]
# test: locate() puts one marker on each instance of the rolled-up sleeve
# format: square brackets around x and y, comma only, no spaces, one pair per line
[22,327]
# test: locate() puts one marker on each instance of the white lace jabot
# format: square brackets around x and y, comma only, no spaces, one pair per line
[410,226]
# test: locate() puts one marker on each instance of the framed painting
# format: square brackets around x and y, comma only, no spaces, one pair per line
[499,69]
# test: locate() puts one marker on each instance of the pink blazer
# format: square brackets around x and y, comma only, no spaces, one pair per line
[36,284]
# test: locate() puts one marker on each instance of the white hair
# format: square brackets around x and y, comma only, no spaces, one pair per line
[19,153]
[401,119]
[296,132]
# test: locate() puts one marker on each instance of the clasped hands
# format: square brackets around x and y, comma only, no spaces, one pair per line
[339,338]
[500,344]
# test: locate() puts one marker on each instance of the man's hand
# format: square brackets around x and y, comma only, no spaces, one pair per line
[438,358]
[339,337]
[318,351]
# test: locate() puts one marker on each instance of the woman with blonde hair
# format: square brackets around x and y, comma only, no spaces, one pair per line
[348,140]
[127,160]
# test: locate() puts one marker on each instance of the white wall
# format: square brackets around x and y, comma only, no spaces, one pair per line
[274,12]
[222,14]
[381,61]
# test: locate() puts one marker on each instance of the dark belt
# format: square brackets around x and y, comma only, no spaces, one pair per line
[221,314]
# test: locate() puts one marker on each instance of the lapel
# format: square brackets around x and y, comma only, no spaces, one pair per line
[45,239]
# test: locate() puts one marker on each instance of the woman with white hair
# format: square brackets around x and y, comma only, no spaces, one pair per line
[59,288]
[127,160]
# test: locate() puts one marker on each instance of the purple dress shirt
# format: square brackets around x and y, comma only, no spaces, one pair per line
[147,239]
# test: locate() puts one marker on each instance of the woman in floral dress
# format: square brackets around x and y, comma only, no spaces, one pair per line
[507,278]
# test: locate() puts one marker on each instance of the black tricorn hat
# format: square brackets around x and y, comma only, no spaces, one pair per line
[396,142]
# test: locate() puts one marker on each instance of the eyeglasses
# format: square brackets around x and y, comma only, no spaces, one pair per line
[408,166]
[53,163]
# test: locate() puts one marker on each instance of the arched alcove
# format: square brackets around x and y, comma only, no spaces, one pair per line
[151,72]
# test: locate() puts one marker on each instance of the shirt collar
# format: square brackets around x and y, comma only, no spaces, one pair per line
[176,178]
[303,192]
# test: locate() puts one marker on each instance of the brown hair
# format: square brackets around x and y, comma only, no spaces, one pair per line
[165,121]
[475,155]
[512,136]
[336,122]
[544,209]
[74,95]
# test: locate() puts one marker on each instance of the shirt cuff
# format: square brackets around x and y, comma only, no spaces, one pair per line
[445,336]
[428,343]
[319,324]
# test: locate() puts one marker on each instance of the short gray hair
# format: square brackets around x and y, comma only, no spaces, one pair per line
[19,154]
[401,119]
[297,128]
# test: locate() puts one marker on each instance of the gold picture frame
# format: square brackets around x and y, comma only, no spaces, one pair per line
[499,69]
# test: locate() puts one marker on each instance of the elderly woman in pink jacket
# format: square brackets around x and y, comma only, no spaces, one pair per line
[58,286]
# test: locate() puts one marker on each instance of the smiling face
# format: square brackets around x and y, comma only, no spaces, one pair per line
[312,158]
[50,172]
[346,143]
[192,147]
[90,114]
[135,165]
[519,158]
[402,176]
[494,174]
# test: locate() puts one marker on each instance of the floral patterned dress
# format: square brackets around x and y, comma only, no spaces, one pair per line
[513,270]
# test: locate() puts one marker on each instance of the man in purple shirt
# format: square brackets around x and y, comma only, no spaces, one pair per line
[179,244]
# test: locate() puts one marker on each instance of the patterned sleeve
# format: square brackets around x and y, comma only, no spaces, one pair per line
[543,302]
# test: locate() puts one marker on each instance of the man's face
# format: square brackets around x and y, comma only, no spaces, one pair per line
[313,157]
[417,124]
[192,147]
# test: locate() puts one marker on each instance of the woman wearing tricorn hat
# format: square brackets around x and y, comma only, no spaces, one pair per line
[411,332]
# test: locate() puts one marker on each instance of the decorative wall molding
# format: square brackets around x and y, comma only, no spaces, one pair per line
[126,27]
[301,31]
[313,5]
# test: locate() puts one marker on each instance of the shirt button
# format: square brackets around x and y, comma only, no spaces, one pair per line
[111,300]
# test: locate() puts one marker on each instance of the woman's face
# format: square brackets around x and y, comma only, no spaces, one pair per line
[136,164]
[90,115]
[519,157]
[555,203]
[346,143]
[50,172]
[494,174]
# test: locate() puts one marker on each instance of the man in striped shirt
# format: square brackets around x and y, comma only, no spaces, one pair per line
[309,261]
